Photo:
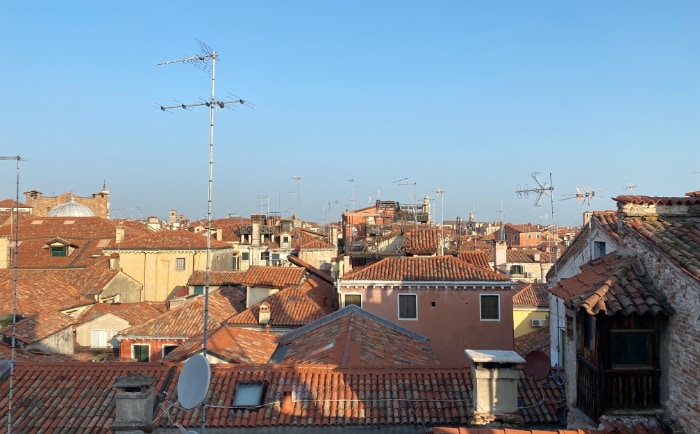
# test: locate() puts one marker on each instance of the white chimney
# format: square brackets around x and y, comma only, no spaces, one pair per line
[264,313]
[495,378]
[500,257]
[120,234]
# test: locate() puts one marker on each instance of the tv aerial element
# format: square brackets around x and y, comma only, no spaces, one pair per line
[631,187]
[193,384]
[583,194]
[541,189]
[206,61]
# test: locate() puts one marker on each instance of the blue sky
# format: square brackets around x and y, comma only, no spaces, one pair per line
[470,97]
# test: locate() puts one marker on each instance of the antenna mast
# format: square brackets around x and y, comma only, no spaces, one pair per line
[586,194]
[14,296]
[207,62]
[542,189]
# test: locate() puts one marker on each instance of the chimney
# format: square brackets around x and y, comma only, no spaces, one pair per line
[6,252]
[536,257]
[544,267]
[500,257]
[114,261]
[120,234]
[264,314]
[495,378]
[255,241]
[134,403]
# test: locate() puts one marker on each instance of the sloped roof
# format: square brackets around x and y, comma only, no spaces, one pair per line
[537,340]
[433,268]
[188,319]
[233,344]
[170,240]
[39,294]
[354,337]
[531,294]
[38,326]
[292,306]
[613,284]
[273,277]
[421,241]
[217,278]
[79,397]
[478,258]
[133,313]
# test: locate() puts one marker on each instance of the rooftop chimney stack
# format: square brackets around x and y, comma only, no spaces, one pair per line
[264,314]
[134,404]
[495,377]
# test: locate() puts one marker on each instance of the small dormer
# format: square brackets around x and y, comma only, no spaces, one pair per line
[59,247]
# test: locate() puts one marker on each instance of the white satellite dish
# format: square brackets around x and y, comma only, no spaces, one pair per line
[194,382]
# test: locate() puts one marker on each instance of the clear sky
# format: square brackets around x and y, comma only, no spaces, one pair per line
[358,99]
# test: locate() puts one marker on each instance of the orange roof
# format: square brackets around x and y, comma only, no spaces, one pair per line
[170,240]
[274,277]
[478,258]
[421,241]
[217,278]
[38,326]
[133,313]
[531,294]
[39,294]
[433,268]
[355,337]
[613,284]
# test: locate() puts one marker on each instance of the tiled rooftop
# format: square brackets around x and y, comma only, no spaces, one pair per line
[612,284]
[232,344]
[478,258]
[170,240]
[79,397]
[188,319]
[531,294]
[273,277]
[434,268]
[38,294]
[355,337]
[38,326]
[421,241]
[292,306]
[133,313]
[537,340]
[216,278]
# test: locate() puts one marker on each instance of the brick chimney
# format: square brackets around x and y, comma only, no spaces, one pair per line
[500,257]
[495,378]
[134,404]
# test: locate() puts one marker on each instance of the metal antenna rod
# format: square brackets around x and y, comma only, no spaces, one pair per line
[204,59]
[14,297]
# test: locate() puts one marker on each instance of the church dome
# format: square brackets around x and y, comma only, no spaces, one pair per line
[71,209]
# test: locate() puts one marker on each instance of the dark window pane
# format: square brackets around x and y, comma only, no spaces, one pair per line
[631,348]
[407,306]
[489,307]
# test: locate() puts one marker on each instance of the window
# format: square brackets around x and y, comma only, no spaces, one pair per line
[142,353]
[58,250]
[598,249]
[180,264]
[98,338]
[264,256]
[248,394]
[516,269]
[632,348]
[285,239]
[490,307]
[275,256]
[234,265]
[167,349]
[198,289]
[245,256]
[355,299]
[408,308]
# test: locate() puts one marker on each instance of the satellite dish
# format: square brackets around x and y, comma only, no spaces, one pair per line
[194,381]
[537,365]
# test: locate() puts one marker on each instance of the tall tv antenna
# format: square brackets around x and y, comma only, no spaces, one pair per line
[206,61]
[585,194]
[404,181]
[352,198]
[542,189]
[631,187]
[16,158]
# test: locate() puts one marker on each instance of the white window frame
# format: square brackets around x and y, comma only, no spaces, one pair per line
[481,297]
[398,306]
[362,301]
[162,349]
[97,339]
[180,264]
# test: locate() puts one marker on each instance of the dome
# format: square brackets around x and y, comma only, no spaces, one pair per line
[71,209]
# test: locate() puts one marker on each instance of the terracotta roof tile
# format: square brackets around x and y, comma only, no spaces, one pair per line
[170,240]
[421,241]
[217,278]
[613,283]
[355,337]
[273,277]
[537,340]
[38,326]
[478,258]
[293,306]
[52,293]
[531,294]
[133,313]
[434,268]
[232,344]
[188,319]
